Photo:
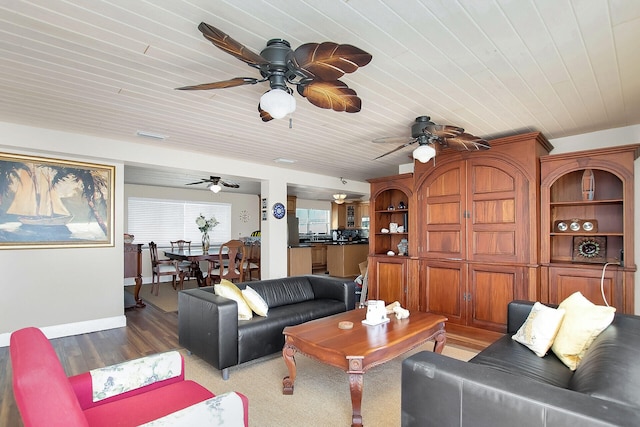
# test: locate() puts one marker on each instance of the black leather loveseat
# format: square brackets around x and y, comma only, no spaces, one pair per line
[208,324]
[508,385]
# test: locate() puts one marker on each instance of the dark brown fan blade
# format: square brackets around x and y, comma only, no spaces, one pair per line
[334,94]
[238,81]
[229,45]
[328,60]
[229,184]
[413,140]
[467,142]
[202,181]
[443,131]
[264,115]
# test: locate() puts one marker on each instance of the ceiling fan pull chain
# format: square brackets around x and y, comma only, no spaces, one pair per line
[290,123]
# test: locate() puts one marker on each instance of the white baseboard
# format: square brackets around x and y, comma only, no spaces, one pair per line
[77,328]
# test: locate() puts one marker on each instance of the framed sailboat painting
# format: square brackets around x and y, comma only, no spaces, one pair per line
[47,203]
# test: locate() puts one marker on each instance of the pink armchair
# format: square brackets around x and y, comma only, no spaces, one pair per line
[128,394]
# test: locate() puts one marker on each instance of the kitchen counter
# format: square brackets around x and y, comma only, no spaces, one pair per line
[343,259]
[331,242]
[299,260]
[359,242]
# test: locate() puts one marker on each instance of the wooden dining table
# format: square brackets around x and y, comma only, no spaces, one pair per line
[194,256]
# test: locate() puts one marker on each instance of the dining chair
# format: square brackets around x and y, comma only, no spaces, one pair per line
[181,245]
[229,264]
[187,269]
[253,260]
[161,267]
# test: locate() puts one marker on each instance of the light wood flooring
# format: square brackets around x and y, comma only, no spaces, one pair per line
[149,330]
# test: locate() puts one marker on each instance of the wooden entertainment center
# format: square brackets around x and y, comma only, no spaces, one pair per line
[479,227]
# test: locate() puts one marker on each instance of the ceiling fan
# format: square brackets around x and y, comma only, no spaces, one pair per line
[314,68]
[426,133]
[215,183]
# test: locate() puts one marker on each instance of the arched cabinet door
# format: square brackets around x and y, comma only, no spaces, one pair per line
[475,210]
[477,224]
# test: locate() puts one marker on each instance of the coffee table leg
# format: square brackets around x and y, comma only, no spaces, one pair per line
[440,341]
[356,382]
[288,352]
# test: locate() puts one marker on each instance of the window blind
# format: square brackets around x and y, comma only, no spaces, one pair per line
[163,221]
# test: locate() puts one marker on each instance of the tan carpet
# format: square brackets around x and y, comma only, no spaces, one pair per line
[167,299]
[321,395]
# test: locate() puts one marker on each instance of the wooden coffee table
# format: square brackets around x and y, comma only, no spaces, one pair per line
[360,348]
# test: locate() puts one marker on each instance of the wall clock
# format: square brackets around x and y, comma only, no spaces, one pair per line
[244,216]
[591,249]
[279,210]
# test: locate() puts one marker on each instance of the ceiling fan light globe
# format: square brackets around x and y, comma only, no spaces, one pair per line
[278,103]
[215,188]
[424,153]
[339,198]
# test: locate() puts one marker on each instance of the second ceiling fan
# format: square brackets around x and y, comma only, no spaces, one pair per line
[427,134]
[216,183]
[314,68]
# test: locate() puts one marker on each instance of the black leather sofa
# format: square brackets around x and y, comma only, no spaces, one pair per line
[208,324]
[508,385]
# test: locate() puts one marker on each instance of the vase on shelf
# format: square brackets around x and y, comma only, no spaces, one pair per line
[205,242]
[403,247]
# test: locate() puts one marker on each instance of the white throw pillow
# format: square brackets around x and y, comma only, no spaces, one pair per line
[255,301]
[540,328]
[229,290]
[583,322]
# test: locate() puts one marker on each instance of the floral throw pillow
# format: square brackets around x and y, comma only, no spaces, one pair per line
[539,330]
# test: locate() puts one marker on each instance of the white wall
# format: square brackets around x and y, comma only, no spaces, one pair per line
[64,291]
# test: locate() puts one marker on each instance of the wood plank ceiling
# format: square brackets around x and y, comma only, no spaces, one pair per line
[109,68]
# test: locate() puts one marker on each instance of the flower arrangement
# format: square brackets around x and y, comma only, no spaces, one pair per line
[205,225]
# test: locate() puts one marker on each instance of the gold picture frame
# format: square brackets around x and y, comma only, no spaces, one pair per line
[53,203]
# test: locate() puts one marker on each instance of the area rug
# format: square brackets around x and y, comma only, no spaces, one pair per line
[321,393]
[167,298]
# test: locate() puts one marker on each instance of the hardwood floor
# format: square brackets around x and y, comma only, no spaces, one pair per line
[149,330]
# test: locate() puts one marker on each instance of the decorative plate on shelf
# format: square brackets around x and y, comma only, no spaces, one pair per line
[592,249]
[279,210]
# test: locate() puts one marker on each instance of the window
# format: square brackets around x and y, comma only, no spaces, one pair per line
[313,221]
[163,221]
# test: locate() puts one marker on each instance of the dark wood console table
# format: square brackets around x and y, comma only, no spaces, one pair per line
[133,268]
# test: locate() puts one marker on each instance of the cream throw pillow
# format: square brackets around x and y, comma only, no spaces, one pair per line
[255,301]
[540,328]
[229,290]
[583,322]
